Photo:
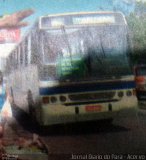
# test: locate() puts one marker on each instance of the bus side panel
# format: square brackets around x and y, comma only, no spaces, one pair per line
[20,82]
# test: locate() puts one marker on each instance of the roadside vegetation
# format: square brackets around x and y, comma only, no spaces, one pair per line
[137,28]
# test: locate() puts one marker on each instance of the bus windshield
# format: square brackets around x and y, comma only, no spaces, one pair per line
[83,53]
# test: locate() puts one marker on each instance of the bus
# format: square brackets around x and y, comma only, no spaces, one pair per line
[73,67]
[140,79]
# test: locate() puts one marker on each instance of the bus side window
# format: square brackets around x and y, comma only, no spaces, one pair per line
[21,55]
[29,49]
[26,52]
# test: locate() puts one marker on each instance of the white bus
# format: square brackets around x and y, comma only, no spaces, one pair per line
[73,67]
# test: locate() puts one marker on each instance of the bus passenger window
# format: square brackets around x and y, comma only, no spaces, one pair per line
[25,52]
[21,55]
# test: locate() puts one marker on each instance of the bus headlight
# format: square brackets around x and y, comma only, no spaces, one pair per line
[53,99]
[129,93]
[120,94]
[62,98]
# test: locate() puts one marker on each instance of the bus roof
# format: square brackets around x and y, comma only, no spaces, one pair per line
[81,18]
[83,13]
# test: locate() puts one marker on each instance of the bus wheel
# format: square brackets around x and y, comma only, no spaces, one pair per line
[30,104]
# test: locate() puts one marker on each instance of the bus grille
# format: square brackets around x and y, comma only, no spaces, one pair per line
[92,96]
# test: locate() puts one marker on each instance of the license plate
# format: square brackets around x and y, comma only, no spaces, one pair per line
[92,108]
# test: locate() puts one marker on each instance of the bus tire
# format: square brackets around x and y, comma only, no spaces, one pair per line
[30,100]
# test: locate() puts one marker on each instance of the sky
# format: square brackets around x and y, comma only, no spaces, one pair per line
[141,0]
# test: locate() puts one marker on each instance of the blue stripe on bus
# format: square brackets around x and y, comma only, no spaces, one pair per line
[87,87]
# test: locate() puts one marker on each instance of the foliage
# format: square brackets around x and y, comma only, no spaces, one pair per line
[137,28]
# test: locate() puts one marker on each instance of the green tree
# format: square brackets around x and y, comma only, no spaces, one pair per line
[137,29]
